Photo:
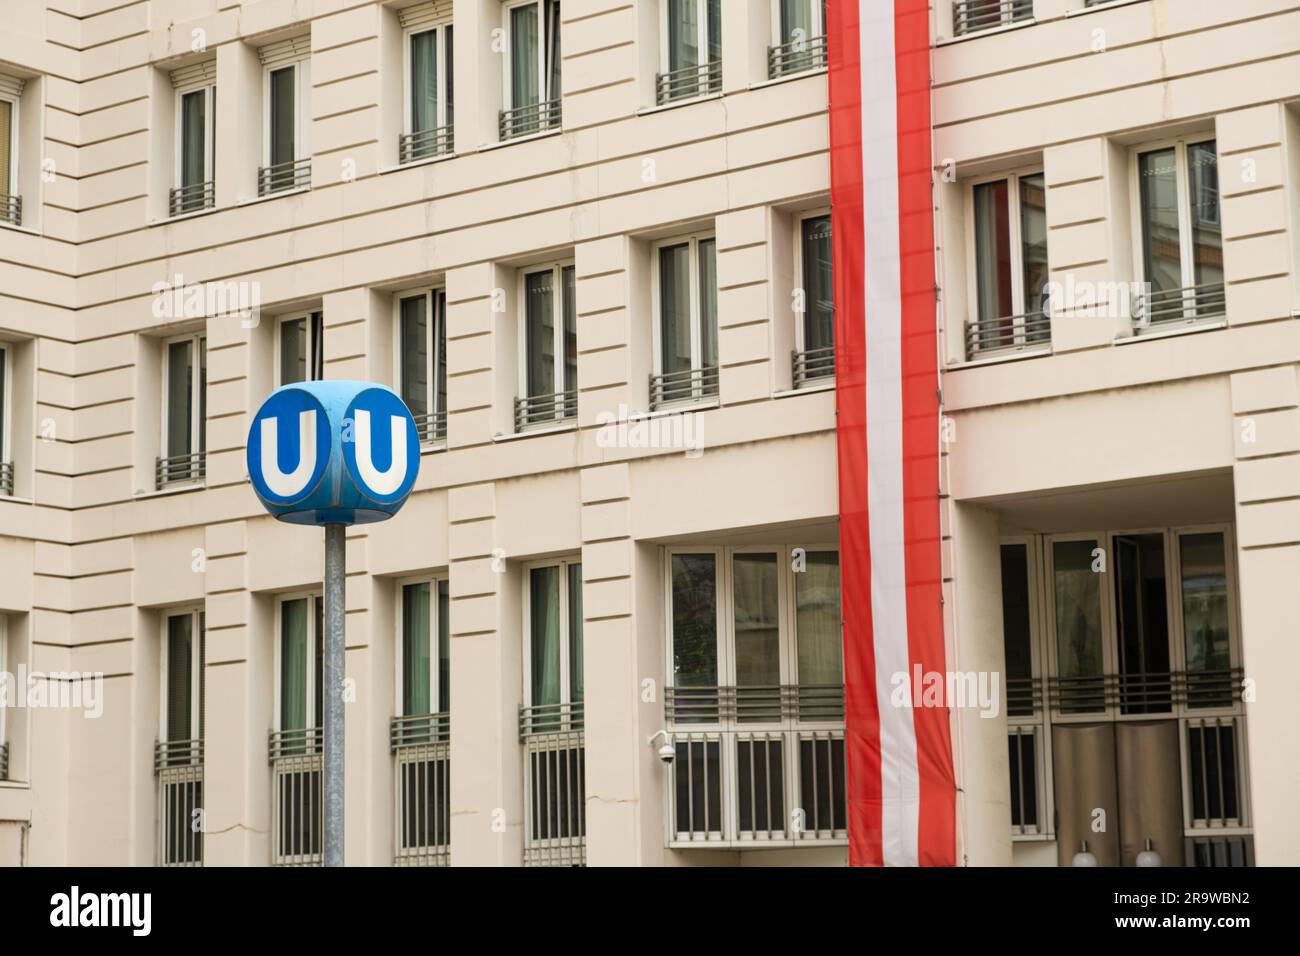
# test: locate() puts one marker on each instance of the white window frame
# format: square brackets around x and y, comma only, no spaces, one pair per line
[196,390]
[209,90]
[556,268]
[1182,181]
[399,684]
[11,187]
[818,22]
[1014,236]
[701,35]
[441,77]
[431,352]
[801,278]
[311,343]
[543,44]
[566,689]
[656,307]
[312,719]
[196,615]
[301,115]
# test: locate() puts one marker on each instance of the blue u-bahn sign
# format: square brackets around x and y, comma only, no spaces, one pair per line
[333,453]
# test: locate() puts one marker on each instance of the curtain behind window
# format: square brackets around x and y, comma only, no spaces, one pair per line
[293,664]
[424,81]
[819,295]
[415,649]
[796,15]
[193,134]
[539,322]
[708,280]
[444,649]
[993,251]
[283,115]
[683,34]
[180,392]
[415,354]
[570,331]
[675,307]
[756,618]
[1161,244]
[180,646]
[552,49]
[293,351]
[523,56]
[1033,240]
[544,634]
[6,144]
[575,633]
[817,619]
[440,346]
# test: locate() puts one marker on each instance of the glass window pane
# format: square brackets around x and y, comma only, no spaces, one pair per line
[193,137]
[544,635]
[570,331]
[1161,250]
[449,48]
[1207,232]
[424,81]
[415,354]
[695,620]
[756,620]
[1142,621]
[293,664]
[203,394]
[180,646]
[819,295]
[1016,639]
[575,633]
[6,145]
[539,321]
[675,307]
[440,367]
[796,15]
[317,346]
[523,55]
[415,649]
[293,351]
[708,279]
[683,34]
[1078,620]
[180,394]
[318,648]
[715,29]
[444,648]
[993,251]
[1205,602]
[552,49]
[1033,240]
[817,619]
[283,115]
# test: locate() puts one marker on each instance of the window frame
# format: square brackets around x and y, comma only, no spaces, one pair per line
[801,278]
[196,613]
[1015,237]
[408,93]
[556,267]
[209,89]
[435,619]
[309,318]
[432,354]
[701,38]
[311,719]
[564,563]
[198,425]
[4,669]
[543,44]
[1182,183]
[15,102]
[656,306]
[818,24]
[301,67]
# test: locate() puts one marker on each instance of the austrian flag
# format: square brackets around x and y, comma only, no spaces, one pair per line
[901,790]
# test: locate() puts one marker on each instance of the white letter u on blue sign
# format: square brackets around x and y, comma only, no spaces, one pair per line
[381,483]
[295,482]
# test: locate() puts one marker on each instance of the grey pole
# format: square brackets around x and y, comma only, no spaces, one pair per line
[333,692]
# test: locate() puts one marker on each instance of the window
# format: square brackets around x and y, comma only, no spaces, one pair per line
[685,293]
[429,114]
[1009,252]
[971,16]
[1182,239]
[301,348]
[799,27]
[286,153]
[814,356]
[424,675]
[549,369]
[554,648]
[178,760]
[185,380]
[756,697]
[691,45]
[4,669]
[183,683]
[195,131]
[6,402]
[11,204]
[299,665]
[295,743]
[422,361]
[532,68]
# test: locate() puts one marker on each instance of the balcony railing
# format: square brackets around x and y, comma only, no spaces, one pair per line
[1149,693]
[545,409]
[797,56]
[688,385]
[431,428]
[425,144]
[6,478]
[555,811]
[688,82]
[178,764]
[971,16]
[1220,851]
[11,209]
[1023,746]
[291,174]
[1031,332]
[192,198]
[4,761]
[179,468]
[533,118]
[421,767]
[297,797]
[747,705]
[1190,304]
[812,365]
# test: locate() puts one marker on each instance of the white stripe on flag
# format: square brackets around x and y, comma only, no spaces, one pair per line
[900,784]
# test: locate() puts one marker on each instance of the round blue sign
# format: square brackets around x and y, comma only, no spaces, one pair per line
[333,453]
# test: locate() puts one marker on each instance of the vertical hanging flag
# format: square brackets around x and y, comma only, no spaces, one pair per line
[901,790]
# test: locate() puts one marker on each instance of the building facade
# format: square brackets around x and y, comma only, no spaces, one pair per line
[588,242]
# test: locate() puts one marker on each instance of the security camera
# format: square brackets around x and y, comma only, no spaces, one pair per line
[667,752]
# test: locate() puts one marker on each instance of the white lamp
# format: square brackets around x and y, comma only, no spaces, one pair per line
[1149,857]
[1083,857]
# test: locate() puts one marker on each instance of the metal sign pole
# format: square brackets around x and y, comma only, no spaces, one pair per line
[333,692]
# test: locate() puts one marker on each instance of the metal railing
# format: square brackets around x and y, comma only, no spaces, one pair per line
[179,468]
[6,478]
[192,198]
[1220,851]
[297,797]
[545,409]
[812,364]
[533,118]
[797,56]
[178,765]
[688,385]
[1012,333]
[971,16]
[1023,753]
[421,781]
[291,174]
[742,705]
[1214,773]
[555,811]
[11,209]
[425,143]
[4,761]
[431,428]
[688,82]
[1190,304]
[1149,693]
